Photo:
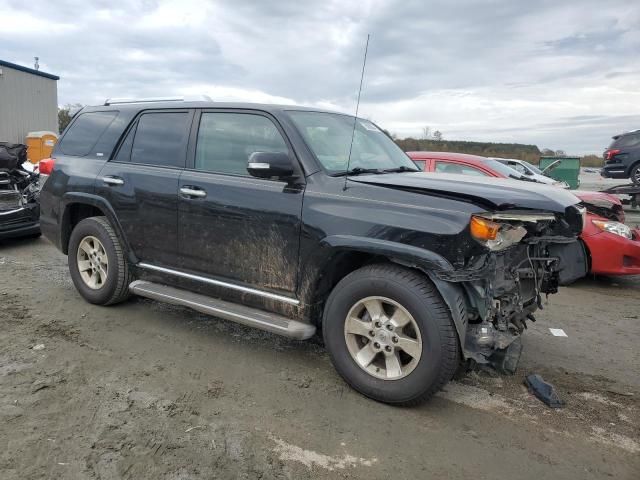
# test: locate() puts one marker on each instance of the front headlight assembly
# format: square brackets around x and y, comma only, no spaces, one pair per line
[616,228]
[495,235]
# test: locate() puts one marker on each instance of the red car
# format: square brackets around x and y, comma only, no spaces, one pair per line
[613,247]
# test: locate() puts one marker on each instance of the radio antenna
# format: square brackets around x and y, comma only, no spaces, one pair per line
[355,119]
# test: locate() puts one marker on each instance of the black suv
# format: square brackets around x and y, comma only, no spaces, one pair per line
[290,219]
[622,158]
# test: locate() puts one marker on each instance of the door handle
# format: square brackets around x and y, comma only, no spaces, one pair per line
[193,192]
[112,181]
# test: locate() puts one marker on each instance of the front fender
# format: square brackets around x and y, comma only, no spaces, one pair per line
[424,260]
[407,255]
[454,296]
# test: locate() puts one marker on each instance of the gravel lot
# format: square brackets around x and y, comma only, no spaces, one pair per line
[143,390]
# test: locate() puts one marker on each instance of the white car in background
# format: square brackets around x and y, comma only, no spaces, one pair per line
[532,172]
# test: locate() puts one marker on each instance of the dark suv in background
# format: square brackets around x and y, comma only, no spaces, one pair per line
[622,158]
[291,219]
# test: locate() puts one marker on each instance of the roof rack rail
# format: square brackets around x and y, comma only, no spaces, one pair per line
[116,101]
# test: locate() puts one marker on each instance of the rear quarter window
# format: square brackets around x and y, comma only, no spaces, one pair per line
[627,141]
[85,132]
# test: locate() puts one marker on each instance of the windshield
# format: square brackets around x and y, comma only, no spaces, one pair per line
[502,168]
[329,137]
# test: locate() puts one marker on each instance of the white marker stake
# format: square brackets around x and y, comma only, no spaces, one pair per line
[557,332]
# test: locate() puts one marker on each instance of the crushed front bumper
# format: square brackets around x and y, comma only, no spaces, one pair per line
[502,296]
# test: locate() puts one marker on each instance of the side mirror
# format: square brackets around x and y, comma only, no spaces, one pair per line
[269,165]
[527,172]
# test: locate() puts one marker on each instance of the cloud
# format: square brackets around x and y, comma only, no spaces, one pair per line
[564,75]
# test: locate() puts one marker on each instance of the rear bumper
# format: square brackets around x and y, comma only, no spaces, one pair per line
[20,222]
[614,170]
[614,255]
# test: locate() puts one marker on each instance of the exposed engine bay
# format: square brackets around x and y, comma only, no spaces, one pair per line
[508,285]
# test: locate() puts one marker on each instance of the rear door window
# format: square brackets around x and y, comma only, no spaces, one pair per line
[161,139]
[85,133]
[124,152]
[458,168]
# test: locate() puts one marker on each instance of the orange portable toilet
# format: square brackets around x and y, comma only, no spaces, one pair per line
[40,145]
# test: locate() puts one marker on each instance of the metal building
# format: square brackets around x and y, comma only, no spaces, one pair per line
[28,102]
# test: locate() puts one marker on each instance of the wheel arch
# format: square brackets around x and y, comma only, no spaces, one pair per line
[77,207]
[633,165]
[349,253]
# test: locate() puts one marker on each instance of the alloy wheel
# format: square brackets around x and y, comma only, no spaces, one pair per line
[93,263]
[383,338]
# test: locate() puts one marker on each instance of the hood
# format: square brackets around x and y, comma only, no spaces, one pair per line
[544,179]
[602,204]
[597,197]
[495,193]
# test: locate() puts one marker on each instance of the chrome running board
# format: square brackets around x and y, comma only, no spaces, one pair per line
[251,317]
[219,283]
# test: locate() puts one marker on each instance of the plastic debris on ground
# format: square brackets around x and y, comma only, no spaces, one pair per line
[543,391]
[557,332]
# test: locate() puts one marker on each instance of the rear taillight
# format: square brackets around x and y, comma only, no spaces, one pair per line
[45,166]
[609,154]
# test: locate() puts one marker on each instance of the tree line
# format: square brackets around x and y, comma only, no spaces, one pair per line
[530,153]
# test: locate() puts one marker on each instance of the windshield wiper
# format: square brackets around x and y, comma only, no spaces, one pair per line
[402,168]
[358,171]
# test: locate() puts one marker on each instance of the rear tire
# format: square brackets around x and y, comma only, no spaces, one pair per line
[97,263]
[400,365]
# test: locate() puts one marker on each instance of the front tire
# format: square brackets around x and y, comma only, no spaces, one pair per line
[390,335]
[97,263]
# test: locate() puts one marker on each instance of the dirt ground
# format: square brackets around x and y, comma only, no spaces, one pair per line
[145,390]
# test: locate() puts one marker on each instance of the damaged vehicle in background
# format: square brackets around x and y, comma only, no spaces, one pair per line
[612,247]
[294,220]
[19,191]
[533,172]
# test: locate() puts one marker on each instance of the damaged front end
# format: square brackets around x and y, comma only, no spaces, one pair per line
[527,256]
[19,193]
[603,205]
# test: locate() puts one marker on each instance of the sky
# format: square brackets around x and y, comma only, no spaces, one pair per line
[558,74]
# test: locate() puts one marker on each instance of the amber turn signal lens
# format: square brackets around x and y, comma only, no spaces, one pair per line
[483,229]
